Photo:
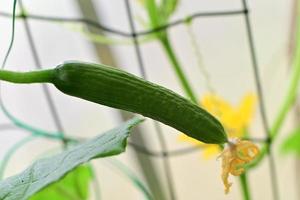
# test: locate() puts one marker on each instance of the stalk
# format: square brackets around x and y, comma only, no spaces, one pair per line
[286,105]
[245,186]
[156,19]
[177,68]
[40,76]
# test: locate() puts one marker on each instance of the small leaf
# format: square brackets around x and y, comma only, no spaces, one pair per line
[75,185]
[292,143]
[49,170]
[167,8]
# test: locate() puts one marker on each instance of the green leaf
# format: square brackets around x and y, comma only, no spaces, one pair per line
[167,8]
[49,170]
[292,143]
[74,186]
[153,13]
[159,13]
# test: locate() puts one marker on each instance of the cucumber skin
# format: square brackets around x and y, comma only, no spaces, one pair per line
[118,89]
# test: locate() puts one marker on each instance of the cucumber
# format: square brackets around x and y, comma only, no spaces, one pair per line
[118,89]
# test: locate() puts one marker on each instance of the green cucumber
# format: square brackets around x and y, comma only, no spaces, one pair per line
[118,89]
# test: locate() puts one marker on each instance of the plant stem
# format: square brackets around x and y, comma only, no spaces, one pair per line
[177,68]
[244,180]
[290,97]
[39,76]
[245,187]
[157,19]
[285,106]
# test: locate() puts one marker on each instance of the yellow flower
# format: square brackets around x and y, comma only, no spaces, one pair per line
[235,119]
[234,157]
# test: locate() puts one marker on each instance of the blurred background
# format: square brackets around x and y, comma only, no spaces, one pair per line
[223,44]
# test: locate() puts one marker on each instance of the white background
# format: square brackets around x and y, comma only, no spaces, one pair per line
[223,44]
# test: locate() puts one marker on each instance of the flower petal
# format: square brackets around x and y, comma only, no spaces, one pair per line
[210,151]
[246,108]
[234,158]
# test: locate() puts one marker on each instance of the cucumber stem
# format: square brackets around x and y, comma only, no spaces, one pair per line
[39,76]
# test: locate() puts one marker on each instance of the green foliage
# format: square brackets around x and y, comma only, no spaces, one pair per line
[46,171]
[159,12]
[74,186]
[167,8]
[292,143]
